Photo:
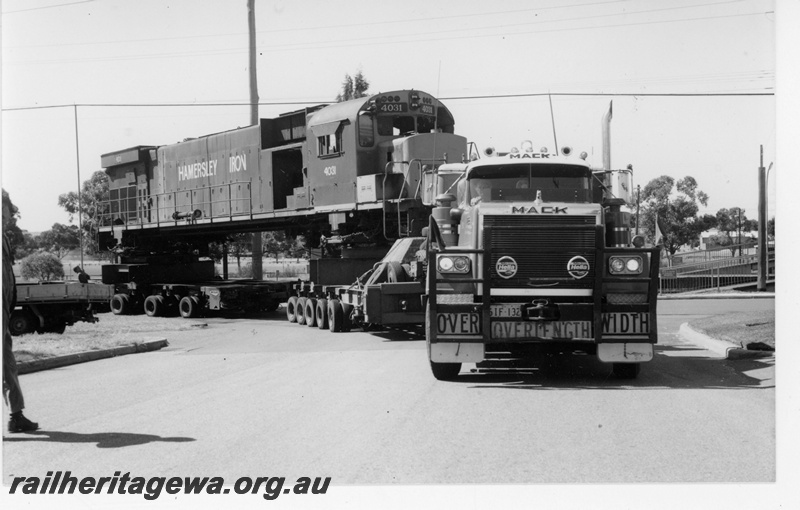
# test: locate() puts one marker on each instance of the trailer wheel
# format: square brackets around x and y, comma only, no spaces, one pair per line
[311,312]
[347,322]
[395,272]
[335,315]
[22,322]
[300,310]
[121,304]
[441,371]
[322,313]
[291,307]
[626,370]
[189,307]
[154,306]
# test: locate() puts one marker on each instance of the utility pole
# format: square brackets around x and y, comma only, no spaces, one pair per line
[638,194]
[80,203]
[256,249]
[739,232]
[761,285]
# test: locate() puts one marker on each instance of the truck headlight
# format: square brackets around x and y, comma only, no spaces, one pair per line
[625,264]
[453,264]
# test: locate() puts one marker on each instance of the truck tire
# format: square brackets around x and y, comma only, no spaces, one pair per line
[395,272]
[121,304]
[300,310]
[626,370]
[22,322]
[322,313]
[347,321]
[189,307]
[311,312]
[154,306]
[291,309]
[440,371]
[335,315]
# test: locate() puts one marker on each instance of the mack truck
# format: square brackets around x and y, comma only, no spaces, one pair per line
[526,252]
[533,255]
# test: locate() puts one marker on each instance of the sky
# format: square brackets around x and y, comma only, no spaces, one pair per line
[692,81]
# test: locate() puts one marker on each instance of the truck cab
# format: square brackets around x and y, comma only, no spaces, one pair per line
[537,257]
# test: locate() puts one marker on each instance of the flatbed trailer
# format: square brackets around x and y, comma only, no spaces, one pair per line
[50,307]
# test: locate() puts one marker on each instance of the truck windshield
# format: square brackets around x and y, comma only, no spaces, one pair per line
[520,182]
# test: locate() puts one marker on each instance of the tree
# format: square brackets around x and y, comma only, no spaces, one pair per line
[11,230]
[275,243]
[41,266]
[93,207]
[734,221]
[29,245]
[677,213]
[60,239]
[353,87]
[771,228]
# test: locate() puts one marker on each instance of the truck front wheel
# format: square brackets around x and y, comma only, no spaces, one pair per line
[22,322]
[626,370]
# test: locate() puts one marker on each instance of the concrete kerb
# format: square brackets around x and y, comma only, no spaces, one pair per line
[723,295]
[26,367]
[723,348]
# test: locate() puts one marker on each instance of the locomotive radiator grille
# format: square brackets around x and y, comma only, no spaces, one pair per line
[542,248]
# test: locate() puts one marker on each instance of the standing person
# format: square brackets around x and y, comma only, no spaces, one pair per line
[12,393]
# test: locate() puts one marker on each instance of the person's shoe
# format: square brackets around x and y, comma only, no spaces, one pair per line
[19,423]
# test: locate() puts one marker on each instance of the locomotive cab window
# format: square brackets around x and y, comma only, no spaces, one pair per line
[396,125]
[329,141]
[366,130]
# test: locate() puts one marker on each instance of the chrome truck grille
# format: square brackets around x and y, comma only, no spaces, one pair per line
[542,248]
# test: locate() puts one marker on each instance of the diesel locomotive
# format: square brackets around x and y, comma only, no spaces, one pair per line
[350,177]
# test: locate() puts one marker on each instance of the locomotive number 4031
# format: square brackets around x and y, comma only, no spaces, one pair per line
[330,170]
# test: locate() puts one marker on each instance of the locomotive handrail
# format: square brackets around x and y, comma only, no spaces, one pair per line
[386,173]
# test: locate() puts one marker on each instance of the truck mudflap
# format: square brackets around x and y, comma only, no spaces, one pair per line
[628,352]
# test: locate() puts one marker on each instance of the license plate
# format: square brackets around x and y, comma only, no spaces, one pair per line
[577,330]
[506,311]
[458,323]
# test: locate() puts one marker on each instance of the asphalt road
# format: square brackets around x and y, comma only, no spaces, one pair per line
[262,397]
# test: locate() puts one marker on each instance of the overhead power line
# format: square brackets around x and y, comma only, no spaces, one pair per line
[47,7]
[411,38]
[451,98]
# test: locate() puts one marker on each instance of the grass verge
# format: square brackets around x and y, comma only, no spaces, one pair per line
[750,330]
[111,331]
